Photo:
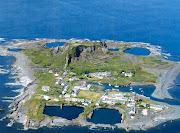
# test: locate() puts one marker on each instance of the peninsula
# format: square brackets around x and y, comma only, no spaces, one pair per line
[76,73]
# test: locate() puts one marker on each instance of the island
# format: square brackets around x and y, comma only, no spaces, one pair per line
[76,75]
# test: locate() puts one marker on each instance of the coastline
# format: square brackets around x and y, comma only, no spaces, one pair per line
[166,80]
[26,75]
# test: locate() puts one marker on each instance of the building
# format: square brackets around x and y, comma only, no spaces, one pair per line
[56,99]
[60,96]
[46,88]
[156,107]
[100,75]
[67,95]
[73,78]
[64,83]
[145,112]
[56,74]
[50,71]
[66,88]
[128,75]
[46,97]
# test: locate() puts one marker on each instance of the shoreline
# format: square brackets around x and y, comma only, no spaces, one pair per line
[26,75]
[166,80]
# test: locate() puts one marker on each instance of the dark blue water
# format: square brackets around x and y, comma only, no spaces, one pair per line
[67,112]
[15,50]
[50,45]
[153,21]
[138,51]
[116,50]
[106,116]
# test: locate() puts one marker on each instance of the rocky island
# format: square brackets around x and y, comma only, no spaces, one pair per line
[75,74]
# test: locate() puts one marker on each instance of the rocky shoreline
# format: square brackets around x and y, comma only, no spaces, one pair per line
[24,68]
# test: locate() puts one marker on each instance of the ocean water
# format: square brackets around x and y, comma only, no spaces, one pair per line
[154,21]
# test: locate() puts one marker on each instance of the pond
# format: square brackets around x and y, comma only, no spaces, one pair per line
[15,50]
[50,45]
[68,112]
[138,51]
[106,116]
[116,50]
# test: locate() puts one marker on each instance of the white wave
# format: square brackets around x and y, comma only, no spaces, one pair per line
[2,39]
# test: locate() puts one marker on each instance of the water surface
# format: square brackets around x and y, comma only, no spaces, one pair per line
[67,112]
[106,116]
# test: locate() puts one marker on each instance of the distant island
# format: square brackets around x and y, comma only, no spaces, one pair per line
[76,74]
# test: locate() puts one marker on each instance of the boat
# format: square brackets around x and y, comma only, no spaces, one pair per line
[100,83]
[140,88]
[109,84]
[116,86]
[131,88]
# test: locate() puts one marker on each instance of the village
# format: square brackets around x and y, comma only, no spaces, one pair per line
[127,101]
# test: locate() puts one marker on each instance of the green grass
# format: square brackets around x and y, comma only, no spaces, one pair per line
[153,62]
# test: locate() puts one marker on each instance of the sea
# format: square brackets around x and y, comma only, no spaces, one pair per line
[156,22]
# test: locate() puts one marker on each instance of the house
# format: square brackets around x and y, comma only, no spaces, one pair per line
[156,107]
[76,92]
[67,95]
[132,110]
[60,96]
[66,88]
[46,97]
[56,99]
[128,75]
[46,88]
[64,83]
[145,112]
[56,74]
[50,71]
[85,104]
[73,78]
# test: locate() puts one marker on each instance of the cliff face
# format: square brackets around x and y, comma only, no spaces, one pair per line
[80,52]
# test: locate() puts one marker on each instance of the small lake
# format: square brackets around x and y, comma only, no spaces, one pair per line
[106,116]
[138,51]
[15,50]
[116,50]
[50,45]
[67,112]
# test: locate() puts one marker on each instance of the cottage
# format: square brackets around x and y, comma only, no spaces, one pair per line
[46,88]
[73,78]
[46,97]
[56,74]
[128,75]
[50,71]
[60,96]
[64,83]
[156,107]
[67,95]
[145,112]
[56,99]
[66,88]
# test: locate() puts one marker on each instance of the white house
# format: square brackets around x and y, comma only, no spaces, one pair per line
[64,83]
[60,96]
[56,74]
[56,99]
[156,107]
[67,95]
[128,75]
[46,88]
[50,71]
[46,97]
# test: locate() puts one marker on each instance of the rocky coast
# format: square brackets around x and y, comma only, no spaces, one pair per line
[26,70]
